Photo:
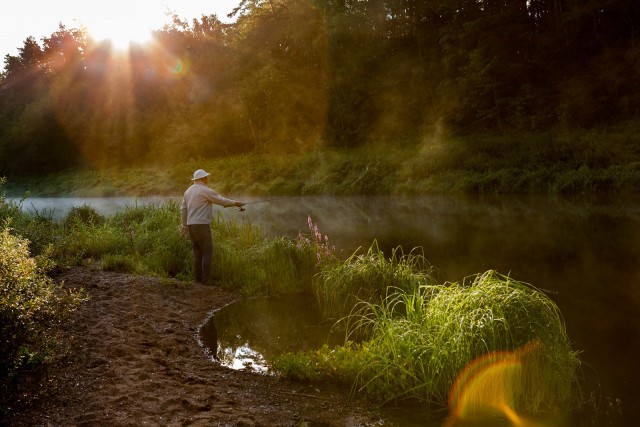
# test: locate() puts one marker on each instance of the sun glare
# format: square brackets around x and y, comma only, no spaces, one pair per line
[120,34]
[120,37]
[124,23]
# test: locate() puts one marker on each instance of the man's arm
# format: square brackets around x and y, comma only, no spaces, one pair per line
[216,198]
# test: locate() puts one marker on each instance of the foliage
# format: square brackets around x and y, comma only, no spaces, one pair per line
[418,340]
[37,228]
[552,162]
[290,76]
[120,263]
[260,265]
[146,240]
[32,309]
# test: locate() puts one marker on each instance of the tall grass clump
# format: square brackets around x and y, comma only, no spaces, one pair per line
[419,340]
[153,235]
[92,241]
[142,239]
[32,309]
[260,265]
[84,214]
[368,277]
[146,239]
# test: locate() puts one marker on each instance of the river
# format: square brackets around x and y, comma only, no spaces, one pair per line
[585,254]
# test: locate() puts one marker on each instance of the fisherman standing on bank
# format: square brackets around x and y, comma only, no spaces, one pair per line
[196,214]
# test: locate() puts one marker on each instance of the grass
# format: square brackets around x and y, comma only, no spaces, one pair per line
[603,161]
[146,240]
[368,277]
[418,340]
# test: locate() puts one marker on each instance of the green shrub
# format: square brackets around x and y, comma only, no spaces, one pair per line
[32,308]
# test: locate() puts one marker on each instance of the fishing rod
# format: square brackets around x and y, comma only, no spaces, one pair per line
[241,208]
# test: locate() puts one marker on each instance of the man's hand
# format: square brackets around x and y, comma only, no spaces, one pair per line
[184,231]
[239,204]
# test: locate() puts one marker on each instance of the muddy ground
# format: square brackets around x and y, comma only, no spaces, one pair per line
[134,360]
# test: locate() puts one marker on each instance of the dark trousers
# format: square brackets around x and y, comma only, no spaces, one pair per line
[202,246]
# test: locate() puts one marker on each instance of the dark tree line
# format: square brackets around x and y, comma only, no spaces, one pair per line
[292,74]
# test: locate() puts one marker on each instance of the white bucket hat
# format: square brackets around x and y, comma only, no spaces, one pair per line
[199,174]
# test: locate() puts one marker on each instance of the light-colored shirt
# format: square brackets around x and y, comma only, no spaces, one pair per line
[196,204]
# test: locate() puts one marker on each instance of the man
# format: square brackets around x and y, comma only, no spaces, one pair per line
[196,214]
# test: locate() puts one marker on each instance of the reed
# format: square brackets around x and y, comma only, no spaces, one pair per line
[260,265]
[368,277]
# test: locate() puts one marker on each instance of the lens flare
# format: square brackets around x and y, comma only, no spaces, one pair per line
[179,67]
[488,387]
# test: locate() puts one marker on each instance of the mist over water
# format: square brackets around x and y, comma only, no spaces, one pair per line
[58,207]
[584,254]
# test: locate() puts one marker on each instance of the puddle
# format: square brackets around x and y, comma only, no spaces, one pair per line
[251,333]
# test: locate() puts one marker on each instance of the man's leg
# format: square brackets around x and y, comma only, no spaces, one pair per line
[202,246]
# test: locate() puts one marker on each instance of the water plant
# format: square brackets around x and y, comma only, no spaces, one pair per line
[418,340]
[369,277]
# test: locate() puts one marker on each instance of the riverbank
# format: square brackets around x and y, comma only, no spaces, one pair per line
[134,359]
[553,163]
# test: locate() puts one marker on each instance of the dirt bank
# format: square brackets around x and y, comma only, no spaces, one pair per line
[135,361]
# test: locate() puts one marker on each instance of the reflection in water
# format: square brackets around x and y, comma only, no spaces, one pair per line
[243,357]
[209,338]
[250,333]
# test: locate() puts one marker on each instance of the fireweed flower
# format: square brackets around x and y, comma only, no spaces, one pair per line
[324,252]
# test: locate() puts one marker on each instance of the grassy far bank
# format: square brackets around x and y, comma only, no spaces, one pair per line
[414,335]
[564,163]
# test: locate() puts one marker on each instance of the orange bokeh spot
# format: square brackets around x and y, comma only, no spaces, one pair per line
[488,388]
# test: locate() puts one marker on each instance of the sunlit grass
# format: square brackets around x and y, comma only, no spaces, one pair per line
[368,277]
[257,264]
[554,162]
[418,340]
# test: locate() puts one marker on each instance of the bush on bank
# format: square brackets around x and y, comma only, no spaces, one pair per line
[32,309]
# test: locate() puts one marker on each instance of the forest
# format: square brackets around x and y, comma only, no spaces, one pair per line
[290,76]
